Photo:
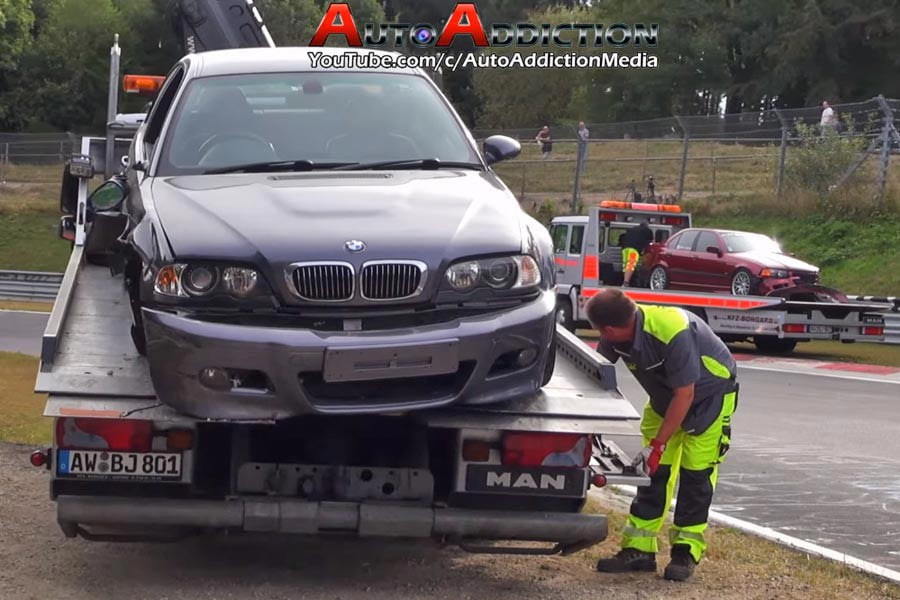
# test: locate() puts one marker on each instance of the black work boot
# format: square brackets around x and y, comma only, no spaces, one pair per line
[682,565]
[628,560]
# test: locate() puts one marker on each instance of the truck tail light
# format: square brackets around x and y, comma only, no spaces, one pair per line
[122,435]
[546,449]
[476,450]
[873,330]
[793,328]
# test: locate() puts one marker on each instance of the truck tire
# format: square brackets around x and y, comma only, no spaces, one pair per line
[770,344]
[564,315]
[742,283]
[659,278]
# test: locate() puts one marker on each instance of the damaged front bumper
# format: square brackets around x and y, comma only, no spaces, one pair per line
[469,360]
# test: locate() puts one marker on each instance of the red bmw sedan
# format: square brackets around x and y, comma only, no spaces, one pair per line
[718,260]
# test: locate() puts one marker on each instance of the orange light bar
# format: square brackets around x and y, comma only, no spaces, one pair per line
[145,85]
[640,206]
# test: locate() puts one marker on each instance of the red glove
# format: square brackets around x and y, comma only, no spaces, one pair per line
[649,457]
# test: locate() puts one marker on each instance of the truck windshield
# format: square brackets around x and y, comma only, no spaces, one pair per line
[750,242]
[326,118]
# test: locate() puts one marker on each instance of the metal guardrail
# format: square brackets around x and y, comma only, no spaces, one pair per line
[29,285]
[43,286]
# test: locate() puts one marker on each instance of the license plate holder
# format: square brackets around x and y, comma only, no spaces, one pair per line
[496,479]
[820,329]
[365,363]
[104,464]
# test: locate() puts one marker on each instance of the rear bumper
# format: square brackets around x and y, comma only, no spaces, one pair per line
[179,347]
[570,531]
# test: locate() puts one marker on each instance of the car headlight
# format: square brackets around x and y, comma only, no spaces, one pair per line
[239,281]
[183,280]
[773,273]
[504,273]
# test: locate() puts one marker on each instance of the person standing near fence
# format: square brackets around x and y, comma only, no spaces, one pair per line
[583,135]
[543,138]
[828,121]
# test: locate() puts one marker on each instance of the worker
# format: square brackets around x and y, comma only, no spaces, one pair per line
[686,427]
[633,243]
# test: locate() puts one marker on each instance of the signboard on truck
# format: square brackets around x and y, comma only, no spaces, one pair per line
[755,322]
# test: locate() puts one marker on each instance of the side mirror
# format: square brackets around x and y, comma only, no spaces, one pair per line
[108,196]
[67,228]
[714,250]
[500,147]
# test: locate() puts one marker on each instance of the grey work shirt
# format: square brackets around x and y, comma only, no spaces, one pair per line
[690,356]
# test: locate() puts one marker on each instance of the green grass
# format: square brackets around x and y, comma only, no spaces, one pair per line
[29,220]
[21,419]
[855,256]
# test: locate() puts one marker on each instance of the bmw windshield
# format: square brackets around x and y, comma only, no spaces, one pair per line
[750,242]
[310,120]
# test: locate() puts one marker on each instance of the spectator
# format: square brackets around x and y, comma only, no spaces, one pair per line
[828,120]
[543,138]
[583,135]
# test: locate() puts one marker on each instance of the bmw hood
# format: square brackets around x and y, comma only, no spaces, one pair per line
[274,220]
[772,260]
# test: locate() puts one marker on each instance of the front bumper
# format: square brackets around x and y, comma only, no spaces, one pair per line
[293,360]
[268,515]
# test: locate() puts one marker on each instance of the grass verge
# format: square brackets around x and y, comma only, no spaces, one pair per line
[738,565]
[21,419]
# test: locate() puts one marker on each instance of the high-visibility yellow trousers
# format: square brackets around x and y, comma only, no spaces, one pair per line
[693,458]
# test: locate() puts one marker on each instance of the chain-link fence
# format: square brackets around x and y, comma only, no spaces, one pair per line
[699,156]
[34,157]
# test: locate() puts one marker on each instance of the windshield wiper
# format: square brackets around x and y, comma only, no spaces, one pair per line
[413,163]
[278,165]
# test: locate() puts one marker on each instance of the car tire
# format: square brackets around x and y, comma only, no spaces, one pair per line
[564,315]
[139,339]
[769,344]
[742,283]
[551,363]
[659,278]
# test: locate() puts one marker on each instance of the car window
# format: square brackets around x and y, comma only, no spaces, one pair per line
[231,120]
[162,104]
[615,233]
[686,240]
[705,240]
[736,241]
[576,239]
[559,234]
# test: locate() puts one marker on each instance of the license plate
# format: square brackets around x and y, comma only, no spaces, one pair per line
[820,329]
[101,464]
[533,482]
[369,363]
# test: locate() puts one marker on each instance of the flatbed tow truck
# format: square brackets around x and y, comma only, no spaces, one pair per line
[588,258]
[126,467]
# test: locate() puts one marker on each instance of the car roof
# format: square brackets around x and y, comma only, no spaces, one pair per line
[720,231]
[237,61]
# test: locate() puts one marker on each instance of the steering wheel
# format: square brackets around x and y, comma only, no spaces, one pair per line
[218,138]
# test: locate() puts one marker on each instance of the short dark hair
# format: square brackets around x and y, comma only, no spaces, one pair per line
[610,307]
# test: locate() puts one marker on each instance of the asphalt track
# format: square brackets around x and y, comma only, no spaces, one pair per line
[816,452]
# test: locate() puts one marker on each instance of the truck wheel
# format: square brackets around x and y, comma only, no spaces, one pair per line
[564,313]
[659,279]
[772,345]
[741,283]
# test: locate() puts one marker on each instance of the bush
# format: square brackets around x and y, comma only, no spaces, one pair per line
[821,158]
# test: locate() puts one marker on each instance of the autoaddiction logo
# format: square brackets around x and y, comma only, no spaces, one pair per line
[465,21]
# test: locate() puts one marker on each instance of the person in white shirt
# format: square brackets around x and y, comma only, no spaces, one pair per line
[828,120]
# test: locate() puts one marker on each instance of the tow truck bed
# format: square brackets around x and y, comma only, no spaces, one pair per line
[89,366]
